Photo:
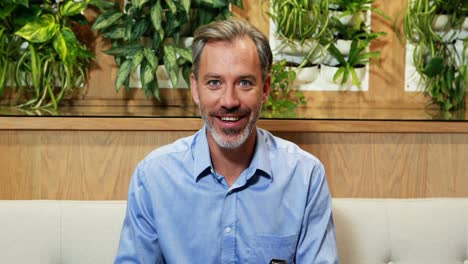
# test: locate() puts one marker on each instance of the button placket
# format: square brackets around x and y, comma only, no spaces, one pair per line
[228,250]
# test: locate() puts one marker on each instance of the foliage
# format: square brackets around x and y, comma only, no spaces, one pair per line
[359,56]
[355,8]
[299,19]
[164,23]
[443,70]
[300,24]
[358,33]
[40,55]
[281,97]
[443,80]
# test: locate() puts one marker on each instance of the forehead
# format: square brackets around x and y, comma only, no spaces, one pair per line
[238,55]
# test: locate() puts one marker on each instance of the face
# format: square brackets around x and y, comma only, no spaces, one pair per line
[230,91]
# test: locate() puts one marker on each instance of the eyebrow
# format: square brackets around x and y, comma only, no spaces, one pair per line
[209,76]
[248,76]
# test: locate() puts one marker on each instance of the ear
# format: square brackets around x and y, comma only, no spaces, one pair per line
[266,88]
[194,88]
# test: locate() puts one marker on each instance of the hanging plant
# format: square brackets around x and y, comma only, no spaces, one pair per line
[441,66]
[41,58]
[149,33]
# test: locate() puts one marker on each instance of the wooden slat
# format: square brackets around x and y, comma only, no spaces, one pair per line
[193,124]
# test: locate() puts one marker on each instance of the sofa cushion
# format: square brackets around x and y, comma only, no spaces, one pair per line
[403,231]
[369,231]
[29,232]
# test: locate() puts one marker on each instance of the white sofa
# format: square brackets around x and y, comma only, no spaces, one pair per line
[369,231]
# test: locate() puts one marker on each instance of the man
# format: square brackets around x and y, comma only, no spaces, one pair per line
[231,193]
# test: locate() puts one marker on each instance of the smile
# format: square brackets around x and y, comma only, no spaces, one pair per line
[229,118]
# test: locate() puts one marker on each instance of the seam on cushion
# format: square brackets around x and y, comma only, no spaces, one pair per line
[465,227]
[60,206]
[389,238]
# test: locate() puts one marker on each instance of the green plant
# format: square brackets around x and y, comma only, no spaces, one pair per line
[281,96]
[148,33]
[443,80]
[41,56]
[434,55]
[299,24]
[299,20]
[358,56]
[355,8]
[359,50]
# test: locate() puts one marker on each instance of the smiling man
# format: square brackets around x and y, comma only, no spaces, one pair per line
[231,193]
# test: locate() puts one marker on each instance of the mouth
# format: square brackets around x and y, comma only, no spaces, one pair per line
[230,118]
[231,122]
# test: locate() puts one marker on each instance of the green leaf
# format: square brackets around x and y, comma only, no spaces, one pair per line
[219,3]
[71,8]
[139,3]
[146,73]
[40,30]
[22,2]
[434,67]
[116,33]
[186,5]
[60,46]
[123,74]
[170,62]
[106,20]
[172,6]
[102,5]
[125,50]
[140,27]
[6,11]
[137,59]
[185,53]
[156,15]
[151,58]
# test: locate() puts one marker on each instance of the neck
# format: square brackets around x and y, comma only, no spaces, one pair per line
[232,162]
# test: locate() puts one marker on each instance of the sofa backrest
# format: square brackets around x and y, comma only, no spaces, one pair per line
[369,231]
[60,232]
[403,231]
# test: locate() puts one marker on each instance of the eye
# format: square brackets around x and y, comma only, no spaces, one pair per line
[245,83]
[214,83]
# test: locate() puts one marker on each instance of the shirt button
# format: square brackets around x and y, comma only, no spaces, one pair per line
[228,229]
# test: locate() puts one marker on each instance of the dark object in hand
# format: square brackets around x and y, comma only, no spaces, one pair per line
[278,261]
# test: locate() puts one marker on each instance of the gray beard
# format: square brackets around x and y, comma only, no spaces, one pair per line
[220,136]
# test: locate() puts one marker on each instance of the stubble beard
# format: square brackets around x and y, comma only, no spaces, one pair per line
[230,138]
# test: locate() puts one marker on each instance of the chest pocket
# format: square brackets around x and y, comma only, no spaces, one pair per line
[264,248]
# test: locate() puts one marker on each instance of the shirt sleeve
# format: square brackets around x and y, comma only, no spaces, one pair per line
[139,238]
[317,242]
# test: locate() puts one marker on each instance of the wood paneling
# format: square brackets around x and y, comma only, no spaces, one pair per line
[73,165]
[98,165]
[396,165]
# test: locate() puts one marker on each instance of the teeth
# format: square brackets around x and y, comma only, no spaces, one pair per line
[229,118]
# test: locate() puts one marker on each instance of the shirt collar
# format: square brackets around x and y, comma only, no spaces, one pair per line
[202,161]
[201,154]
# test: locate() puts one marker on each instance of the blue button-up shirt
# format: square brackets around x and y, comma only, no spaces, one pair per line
[181,211]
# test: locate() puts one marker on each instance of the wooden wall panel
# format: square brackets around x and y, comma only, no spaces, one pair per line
[73,164]
[447,171]
[383,165]
[96,165]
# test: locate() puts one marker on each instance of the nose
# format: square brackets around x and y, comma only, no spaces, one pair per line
[230,98]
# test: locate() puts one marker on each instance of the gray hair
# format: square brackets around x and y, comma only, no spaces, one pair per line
[229,30]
